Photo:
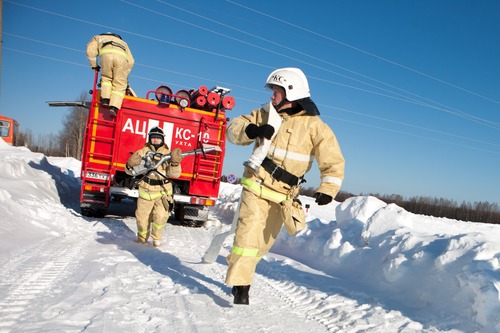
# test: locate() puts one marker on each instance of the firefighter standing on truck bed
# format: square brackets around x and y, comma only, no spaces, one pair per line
[269,196]
[155,201]
[116,63]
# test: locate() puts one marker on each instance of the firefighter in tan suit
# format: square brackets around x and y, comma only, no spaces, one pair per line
[116,63]
[155,201]
[269,195]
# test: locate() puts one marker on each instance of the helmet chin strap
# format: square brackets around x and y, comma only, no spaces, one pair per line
[280,104]
[157,145]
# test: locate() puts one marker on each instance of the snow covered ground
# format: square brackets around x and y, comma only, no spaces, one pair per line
[360,266]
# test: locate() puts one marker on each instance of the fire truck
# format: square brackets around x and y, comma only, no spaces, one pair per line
[192,120]
[9,129]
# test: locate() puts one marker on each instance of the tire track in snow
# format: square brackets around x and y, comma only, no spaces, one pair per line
[335,312]
[31,273]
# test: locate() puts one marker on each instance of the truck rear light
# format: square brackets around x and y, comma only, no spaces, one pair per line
[202,201]
[92,188]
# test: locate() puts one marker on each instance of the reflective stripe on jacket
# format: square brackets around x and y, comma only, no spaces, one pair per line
[149,195]
[263,192]
[105,44]
[152,192]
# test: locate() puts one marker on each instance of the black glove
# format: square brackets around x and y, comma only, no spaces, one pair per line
[263,131]
[97,68]
[322,199]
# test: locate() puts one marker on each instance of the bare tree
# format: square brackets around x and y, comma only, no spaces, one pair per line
[74,130]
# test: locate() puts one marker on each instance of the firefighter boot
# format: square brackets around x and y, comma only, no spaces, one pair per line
[240,294]
[113,110]
[105,101]
[142,238]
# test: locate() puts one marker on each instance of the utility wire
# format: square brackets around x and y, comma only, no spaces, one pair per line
[72,49]
[459,113]
[444,108]
[204,17]
[363,51]
[322,105]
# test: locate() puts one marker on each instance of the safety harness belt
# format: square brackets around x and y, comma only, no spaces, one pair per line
[281,174]
[114,44]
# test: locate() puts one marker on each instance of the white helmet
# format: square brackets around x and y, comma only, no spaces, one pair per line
[292,80]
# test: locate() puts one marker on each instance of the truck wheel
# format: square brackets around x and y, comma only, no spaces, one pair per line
[93,211]
[94,204]
[195,216]
[179,213]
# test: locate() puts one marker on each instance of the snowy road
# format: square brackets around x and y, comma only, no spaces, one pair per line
[93,277]
[360,266]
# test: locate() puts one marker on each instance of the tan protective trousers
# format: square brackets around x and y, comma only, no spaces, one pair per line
[114,78]
[151,217]
[259,223]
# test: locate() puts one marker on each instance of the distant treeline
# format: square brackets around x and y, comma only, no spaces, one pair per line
[481,211]
[485,212]
[69,142]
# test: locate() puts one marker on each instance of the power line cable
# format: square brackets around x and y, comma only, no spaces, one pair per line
[324,116]
[459,113]
[51,44]
[447,109]
[364,51]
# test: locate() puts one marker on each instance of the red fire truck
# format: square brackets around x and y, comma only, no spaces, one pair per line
[191,120]
[9,129]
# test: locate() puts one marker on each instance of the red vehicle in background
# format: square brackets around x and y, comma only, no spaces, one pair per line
[9,128]
[191,120]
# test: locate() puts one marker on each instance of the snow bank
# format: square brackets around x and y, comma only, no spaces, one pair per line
[32,190]
[437,270]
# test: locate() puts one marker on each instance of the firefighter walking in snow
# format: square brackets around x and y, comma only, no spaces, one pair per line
[116,64]
[155,201]
[269,193]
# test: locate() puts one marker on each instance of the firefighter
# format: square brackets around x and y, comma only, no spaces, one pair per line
[155,202]
[116,63]
[269,196]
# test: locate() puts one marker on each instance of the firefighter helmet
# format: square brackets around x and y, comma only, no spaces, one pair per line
[111,34]
[156,132]
[292,80]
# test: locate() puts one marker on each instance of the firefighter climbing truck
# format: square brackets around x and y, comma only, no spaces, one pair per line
[192,120]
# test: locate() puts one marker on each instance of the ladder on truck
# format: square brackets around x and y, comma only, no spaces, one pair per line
[97,157]
[209,167]
[97,161]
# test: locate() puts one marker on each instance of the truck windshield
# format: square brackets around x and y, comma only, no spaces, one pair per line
[4,128]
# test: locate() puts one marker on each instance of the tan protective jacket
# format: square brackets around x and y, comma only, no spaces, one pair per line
[300,139]
[115,45]
[165,168]
[116,64]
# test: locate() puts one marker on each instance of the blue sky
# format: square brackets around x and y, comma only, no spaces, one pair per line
[410,88]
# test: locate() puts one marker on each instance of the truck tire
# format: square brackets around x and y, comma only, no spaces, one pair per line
[93,204]
[93,210]
[191,215]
